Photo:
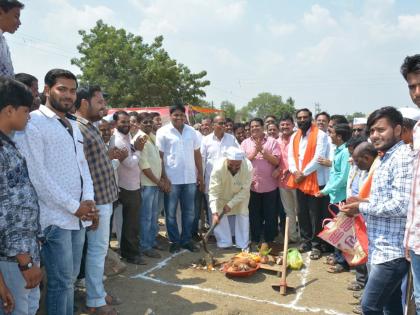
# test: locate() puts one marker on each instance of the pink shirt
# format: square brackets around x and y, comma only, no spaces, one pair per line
[284,164]
[128,170]
[262,179]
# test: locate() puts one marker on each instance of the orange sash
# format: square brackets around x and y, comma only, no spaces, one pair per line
[364,191]
[310,184]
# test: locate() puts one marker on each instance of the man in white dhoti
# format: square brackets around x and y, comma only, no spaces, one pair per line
[229,191]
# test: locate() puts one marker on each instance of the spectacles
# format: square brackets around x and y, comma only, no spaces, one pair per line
[221,123]
[147,122]
[358,129]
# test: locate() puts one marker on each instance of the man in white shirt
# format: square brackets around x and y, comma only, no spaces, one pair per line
[129,184]
[53,147]
[9,23]
[180,150]
[308,177]
[213,147]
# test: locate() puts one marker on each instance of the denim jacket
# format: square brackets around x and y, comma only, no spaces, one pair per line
[19,210]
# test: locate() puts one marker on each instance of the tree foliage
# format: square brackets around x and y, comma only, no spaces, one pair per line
[229,109]
[267,104]
[133,72]
[350,117]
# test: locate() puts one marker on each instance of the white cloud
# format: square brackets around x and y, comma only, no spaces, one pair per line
[318,53]
[279,29]
[186,16]
[225,57]
[409,24]
[318,18]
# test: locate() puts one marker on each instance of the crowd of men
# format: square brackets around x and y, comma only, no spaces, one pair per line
[66,166]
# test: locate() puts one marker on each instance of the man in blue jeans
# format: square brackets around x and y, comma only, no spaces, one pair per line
[179,148]
[410,70]
[152,183]
[53,147]
[90,106]
[385,213]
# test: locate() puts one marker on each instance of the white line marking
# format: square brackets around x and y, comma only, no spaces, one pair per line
[159,265]
[303,276]
[209,290]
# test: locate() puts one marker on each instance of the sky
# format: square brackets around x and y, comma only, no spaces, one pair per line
[343,55]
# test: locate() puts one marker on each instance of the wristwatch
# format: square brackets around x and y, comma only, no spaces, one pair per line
[28,266]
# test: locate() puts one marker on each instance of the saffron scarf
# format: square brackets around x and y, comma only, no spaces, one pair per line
[310,184]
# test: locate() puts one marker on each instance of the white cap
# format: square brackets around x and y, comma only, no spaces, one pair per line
[235,154]
[410,113]
[360,121]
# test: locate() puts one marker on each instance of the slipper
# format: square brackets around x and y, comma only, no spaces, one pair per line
[102,310]
[112,300]
[315,254]
[303,248]
[336,269]
[355,286]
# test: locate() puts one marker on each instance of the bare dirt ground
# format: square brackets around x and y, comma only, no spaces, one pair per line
[170,286]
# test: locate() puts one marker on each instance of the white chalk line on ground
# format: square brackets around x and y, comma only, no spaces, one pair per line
[292,305]
[303,276]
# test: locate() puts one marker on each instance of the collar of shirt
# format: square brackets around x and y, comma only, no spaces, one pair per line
[126,137]
[388,153]
[216,138]
[47,112]
[84,121]
[340,148]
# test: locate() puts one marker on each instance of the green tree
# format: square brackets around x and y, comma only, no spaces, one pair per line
[267,104]
[350,117]
[229,109]
[133,72]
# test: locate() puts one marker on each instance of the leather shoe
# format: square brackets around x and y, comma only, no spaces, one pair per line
[136,260]
[191,247]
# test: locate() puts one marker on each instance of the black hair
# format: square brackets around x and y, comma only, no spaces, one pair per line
[339,119]
[237,126]
[14,93]
[154,114]
[53,75]
[257,119]
[43,98]
[207,118]
[393,115]
[7,5]
[287,116]
[119,113]
[26,79]
[270,116]
[367,148]
[229,120]
[409,123]
[323,114]
[411,64]
[142,116]
[177,105]
[355,141]
[275,124]
[133,114]
[344,131]
[303,110]
[86,93]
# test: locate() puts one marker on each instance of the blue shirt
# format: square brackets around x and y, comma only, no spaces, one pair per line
[339,172]
[386,211]
[19,210]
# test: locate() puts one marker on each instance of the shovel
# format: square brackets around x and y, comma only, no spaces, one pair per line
[209,257]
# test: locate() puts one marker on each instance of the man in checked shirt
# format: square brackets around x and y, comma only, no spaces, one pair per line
[385,213]
[410,70]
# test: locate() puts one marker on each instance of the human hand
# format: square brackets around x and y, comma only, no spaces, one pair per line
[324,161]
[6,297]
[200,183]
[113,153]
[319,194]
[407,254]
[227,209]
[140,142]
[350,209]
[122,154]
[32,276]
[87,210]
[95,223]
[276,173]
[215,218]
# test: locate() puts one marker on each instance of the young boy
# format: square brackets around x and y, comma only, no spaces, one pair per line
[19,210]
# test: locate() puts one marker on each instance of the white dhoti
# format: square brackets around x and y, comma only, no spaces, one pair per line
[223,232]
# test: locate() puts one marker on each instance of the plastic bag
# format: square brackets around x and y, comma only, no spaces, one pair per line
[349,235]
[294,259]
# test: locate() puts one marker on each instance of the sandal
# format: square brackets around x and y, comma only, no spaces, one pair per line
[303,248]
[102,310]
[337,268]
[331,261]
[112,300]
[315,254]
[355,286]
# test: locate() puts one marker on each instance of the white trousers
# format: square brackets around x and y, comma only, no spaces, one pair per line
[223,232]
[289,201]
